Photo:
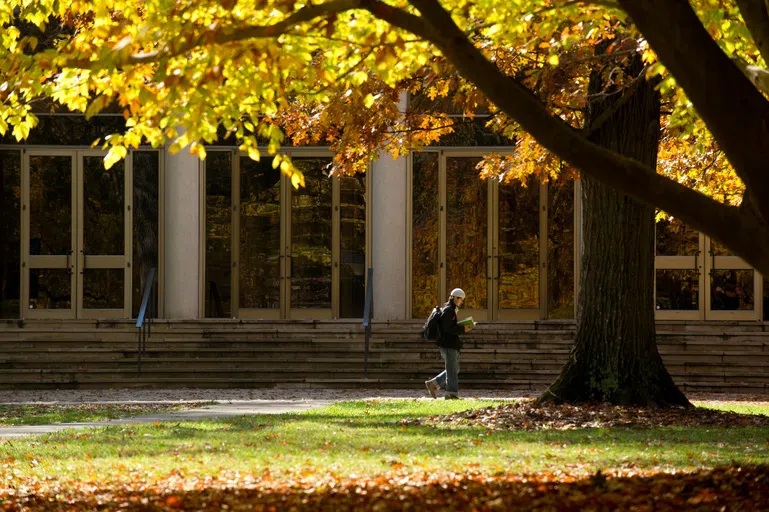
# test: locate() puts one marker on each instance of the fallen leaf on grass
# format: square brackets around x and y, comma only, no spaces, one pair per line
[725,488]
[527,415]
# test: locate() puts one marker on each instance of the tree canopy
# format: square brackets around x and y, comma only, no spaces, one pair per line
[182,71]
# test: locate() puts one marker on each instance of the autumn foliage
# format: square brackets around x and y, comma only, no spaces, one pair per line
[724,488]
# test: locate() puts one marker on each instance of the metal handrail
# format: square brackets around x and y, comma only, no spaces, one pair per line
[367,317]
[145,328]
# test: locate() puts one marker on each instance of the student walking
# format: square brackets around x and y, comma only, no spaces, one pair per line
[450,344]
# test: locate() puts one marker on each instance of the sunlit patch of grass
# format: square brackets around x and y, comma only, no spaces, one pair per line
[367,438]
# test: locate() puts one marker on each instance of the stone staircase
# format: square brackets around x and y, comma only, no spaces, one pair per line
[330,354]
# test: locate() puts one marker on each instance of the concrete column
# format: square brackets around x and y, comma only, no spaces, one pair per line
[182,235]
[388,222]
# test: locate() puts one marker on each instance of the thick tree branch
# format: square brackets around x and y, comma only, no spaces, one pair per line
[759,76]
[756,16]
[736,113]
[723,222]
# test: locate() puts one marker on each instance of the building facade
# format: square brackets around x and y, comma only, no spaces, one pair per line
[232,239]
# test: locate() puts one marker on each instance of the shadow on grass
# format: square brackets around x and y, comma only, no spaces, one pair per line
[377,431]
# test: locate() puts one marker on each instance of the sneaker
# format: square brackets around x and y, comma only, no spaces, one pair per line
[451,396]
[431,388]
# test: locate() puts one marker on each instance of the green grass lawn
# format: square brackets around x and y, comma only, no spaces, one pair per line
[13,415]
[366,438]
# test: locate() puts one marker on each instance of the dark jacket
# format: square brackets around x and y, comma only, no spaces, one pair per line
[450,331]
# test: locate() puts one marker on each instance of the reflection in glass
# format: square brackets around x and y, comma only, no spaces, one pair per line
[424,236]
[218,234]
[678,290]
[50,205]
[766,299]
[466,230]
[103,196]
[519,245]
[103,288]
[259,234]
[720,250]
[310,258]
[732,290]
[560,249]
[352,264]
[10,233]
[50,288]
[674,238]
[146,177]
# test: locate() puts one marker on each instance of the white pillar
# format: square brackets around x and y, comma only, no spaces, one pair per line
[388,222]
[182,234]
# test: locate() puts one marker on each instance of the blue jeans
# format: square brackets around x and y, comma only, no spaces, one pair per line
[449,378]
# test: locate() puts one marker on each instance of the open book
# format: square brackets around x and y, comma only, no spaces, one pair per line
[467,322]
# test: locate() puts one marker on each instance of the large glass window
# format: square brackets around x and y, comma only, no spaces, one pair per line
[10,233]
[290,244]
[486,238]
[560,248]
[310,258]
[218,234]
[352,257]
[259,234]
[146,221]
[674,238]
[677,283]
[50,230]
[732,290]
[519,245]
[424,246]
[697,278]
[467,230]
[678,290]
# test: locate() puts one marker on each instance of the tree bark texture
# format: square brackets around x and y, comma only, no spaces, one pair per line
[615,355]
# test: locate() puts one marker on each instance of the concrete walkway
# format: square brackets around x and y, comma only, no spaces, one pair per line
[220,410]
[229,402]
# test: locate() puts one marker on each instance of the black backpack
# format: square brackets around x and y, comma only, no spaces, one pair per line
[432,328]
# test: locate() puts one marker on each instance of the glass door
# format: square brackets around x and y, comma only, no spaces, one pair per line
[77,224]
[679,267]
[310,242]
[518,255]
[284,253]
[733,285]
[698,279]
[258,214]
[467,250]
[104,241]
[49,236]
[483,236]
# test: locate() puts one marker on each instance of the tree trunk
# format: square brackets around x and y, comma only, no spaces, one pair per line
[615,355]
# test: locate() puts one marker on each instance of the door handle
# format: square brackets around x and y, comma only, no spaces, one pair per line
[290,266]
[489,267]
[69,262]
[712,262]
[697,261]
[82,269]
